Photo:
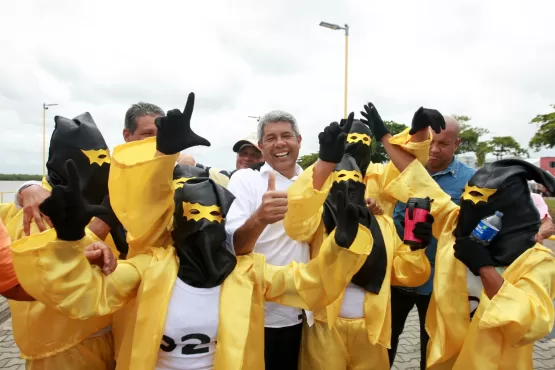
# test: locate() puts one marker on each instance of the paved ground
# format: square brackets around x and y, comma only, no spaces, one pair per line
[408,353]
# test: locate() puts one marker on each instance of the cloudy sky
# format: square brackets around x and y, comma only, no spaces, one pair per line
[491,60]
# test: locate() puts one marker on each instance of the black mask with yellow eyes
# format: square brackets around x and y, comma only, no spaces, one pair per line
[79,139]
[348,179]
[199,234]
[503,186]
[183,173]
[358,144]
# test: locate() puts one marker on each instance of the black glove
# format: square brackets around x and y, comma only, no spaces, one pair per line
[109,218]
[67,208]
[174,130]
[423,231]
[346,228]
[332,141]
[425,117]
[374,122]
[472,254]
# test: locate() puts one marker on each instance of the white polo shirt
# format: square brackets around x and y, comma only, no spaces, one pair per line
[248,186]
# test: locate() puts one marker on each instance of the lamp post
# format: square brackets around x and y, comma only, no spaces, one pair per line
[336,27]
[44,108]
[257,117]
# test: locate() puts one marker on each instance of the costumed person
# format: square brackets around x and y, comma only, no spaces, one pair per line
[46,338]
[354,331]
[172,316]
[489,303]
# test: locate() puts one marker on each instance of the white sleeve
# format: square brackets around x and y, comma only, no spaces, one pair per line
[25,184]
[243,206]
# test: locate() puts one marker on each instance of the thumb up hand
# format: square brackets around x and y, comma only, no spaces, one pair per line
[274,203]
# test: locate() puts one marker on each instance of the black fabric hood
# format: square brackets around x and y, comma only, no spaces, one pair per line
[503,186]
[199,234]
[79,139]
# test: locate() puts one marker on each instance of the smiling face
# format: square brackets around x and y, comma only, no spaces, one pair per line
[280,147]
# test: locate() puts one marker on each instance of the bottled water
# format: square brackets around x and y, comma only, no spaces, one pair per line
[487,228]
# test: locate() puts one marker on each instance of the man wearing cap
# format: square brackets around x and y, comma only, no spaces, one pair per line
[248,152]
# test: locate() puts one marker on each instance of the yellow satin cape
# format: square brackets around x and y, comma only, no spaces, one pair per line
[304,222]
[141,286]
[503,329]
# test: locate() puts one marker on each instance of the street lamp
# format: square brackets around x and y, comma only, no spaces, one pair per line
[336,27]
[44,108]
[257,117]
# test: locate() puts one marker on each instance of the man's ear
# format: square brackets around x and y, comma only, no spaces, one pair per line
[126,135]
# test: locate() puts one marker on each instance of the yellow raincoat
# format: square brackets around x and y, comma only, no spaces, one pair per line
[334,349]
[46,338]
[142,285]
[503,330]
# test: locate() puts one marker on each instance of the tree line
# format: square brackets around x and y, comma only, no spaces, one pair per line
[500,146]
[19,177]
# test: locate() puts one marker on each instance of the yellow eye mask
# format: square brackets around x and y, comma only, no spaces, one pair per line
[344,175]
[476,194]
[178,183]
[355,137]
[99,156]
[196,212]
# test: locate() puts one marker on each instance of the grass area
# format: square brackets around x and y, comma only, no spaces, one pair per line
[551,205]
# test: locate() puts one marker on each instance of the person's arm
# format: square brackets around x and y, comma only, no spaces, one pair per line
[306,201]
[546,229]
[319,282]
[523,310]
[141,193]
[416,182]
[30,198]
[58,274]
[271,210]
[410,268]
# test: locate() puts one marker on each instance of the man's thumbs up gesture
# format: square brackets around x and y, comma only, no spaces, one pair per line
[274,203]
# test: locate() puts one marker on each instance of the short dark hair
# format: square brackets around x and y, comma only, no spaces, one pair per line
[140,109]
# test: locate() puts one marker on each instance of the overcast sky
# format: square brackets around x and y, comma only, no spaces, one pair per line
[491,60]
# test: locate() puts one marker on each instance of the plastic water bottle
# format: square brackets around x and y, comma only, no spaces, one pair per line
[487,228]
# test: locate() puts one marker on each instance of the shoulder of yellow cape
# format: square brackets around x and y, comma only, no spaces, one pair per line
[46,185]
[217,177]
[528,260]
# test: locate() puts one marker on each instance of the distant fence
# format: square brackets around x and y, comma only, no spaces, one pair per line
[9,197]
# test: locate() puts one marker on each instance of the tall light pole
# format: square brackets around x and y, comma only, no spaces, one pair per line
[336,27]
[44,108]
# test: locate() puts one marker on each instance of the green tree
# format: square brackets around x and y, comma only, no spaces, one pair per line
[19,177]
[482,149]
[378,154]
[470,135]
[506,145]
[545,137]
[307,160]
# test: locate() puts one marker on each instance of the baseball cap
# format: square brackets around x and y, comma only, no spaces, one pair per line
[249,140]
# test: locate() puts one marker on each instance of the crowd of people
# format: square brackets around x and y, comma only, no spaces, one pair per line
[145,259]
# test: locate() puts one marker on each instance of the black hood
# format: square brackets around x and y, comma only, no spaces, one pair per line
[183,173]
[199,234]
[503,186]
[348,179]
[358,144]
[79,139]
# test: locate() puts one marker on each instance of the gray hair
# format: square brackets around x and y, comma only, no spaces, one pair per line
[138,110]
[277,116]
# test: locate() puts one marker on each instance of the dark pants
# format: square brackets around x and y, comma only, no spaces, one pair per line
[402,303]
[282,346]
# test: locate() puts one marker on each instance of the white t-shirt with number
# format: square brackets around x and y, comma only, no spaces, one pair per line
[191,329]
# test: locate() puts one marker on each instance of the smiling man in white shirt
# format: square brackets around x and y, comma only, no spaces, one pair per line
[256,222]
